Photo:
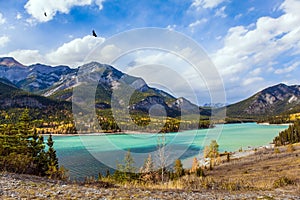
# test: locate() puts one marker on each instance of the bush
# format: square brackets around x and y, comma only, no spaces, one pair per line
[200,172]
[282,181]
[276,150]
[290,148]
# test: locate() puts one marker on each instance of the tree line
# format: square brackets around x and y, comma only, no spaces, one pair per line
[23,150]
[289,136]
[157,172]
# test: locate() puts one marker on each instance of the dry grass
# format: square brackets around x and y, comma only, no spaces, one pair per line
[262,170]
[267,169]
[264,175]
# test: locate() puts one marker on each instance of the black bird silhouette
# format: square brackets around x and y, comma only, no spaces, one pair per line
[94,34]
[45,14]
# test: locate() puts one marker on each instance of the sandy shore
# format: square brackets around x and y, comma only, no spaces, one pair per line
[187,163]
[267,124]
[101,134]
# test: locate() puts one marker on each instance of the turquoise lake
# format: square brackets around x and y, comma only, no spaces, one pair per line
[90,154]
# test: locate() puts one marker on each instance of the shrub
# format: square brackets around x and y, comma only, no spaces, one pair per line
[290,148]
[282,181]
[276,150]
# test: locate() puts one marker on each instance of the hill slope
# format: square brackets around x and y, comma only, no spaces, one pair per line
[268,102]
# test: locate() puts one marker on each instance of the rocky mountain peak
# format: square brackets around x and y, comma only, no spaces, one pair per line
[272,100]
[10,62]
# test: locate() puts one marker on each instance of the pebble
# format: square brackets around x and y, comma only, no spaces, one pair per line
[18,186]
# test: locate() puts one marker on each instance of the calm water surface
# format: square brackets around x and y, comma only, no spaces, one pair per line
[81,154]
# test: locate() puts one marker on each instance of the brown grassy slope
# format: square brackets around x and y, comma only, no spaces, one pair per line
[264,175]
[265,170]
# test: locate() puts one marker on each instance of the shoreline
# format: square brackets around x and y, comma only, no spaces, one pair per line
[129,132]
[268,124]
[107,134]
[187,162]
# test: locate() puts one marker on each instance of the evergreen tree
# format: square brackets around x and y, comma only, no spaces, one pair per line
[212,152]
[179,171]
[37,143]
[126,171]
[52,159]
[128,163]
[289,136]
[148,165]
[214,149]
[22,150]
[107,173]
[24,123]
[195,165]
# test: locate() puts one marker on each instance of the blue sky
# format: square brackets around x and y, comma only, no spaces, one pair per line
[253,44]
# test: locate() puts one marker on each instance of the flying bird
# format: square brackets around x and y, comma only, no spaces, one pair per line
[94,34]
[45,14]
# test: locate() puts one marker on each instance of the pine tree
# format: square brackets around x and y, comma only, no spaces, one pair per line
[214,149]
[24,123]
[179,171]
[52,159]
[212,152]
[36,143]
[23,150]
[206,152]
[148,165]
[195,165]
[289,136]
[126,171]
[128,163]
[107,173]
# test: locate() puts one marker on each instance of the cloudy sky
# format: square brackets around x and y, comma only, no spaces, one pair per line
[253,44]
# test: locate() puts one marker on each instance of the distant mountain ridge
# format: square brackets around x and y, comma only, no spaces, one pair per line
[12,97]
[273,100]
[58,82]
[33,78]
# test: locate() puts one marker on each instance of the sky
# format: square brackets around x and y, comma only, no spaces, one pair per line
[253,44]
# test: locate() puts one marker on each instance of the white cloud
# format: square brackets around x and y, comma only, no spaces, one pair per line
[256,72]
[4,40]
[27,57]
[245,47]
[19,16]
[251,9]
[206,3]
[72,53]
[99,3]
[197,23]
[2,19]
[221,12]
[252,80]
[108,52]
[238,16]
[171,27]
[219,37]
[75,51]
[287,69]
[251,55]
[45,10]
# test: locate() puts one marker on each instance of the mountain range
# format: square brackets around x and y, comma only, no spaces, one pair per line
[57,84]
[38,86]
